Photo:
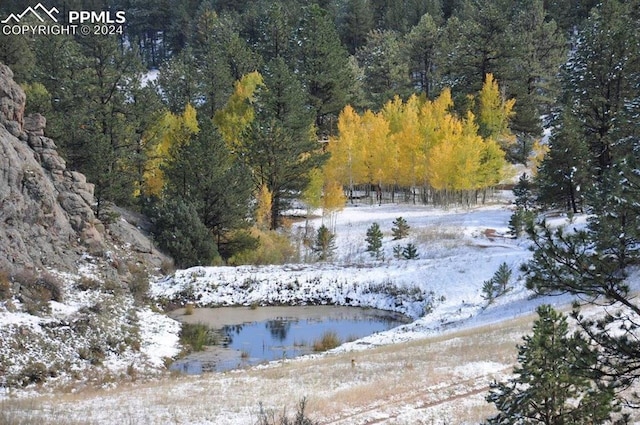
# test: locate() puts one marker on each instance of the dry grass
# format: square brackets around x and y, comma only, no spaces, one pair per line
[327,341]
[435,380]
[438,233]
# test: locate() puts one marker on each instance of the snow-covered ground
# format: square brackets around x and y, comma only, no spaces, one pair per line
[459,249]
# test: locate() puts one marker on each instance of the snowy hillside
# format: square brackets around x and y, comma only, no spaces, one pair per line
[458,250]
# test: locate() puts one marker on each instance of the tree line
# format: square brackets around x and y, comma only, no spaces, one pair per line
[135,138]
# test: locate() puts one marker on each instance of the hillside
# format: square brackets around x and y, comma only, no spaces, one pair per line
[65,277]
[435,369]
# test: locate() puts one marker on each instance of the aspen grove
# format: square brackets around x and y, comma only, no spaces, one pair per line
[422,150]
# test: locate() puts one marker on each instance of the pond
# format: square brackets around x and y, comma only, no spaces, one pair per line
[251,336]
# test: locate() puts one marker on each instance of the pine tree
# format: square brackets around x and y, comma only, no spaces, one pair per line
[498,284]
[424,47]
[385,66]
[179,232]
[549,387]
[523,216]
[374,241]
[323,67]
[397,252]
[217,184]
[400,229]
[356,23]
[602,76]
[594,263]
[564,173]
[410,252]
[532,71]
[279,144]
[324,244]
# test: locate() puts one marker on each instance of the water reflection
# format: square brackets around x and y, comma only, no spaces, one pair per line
[286,337]
[279,328]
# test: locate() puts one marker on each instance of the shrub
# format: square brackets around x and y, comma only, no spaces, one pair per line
[273,247]
[87,283]
[269,418]
[139,284]
[195,336]
[400,229]
[34,373]
[5,286]
[327,341]
[35,291]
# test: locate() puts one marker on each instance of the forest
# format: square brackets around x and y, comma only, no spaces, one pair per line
[255,104]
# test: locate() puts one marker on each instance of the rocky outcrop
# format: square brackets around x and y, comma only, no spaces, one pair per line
[46,215]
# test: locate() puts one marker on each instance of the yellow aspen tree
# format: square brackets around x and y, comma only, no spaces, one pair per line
[163,140]
[538,152]
[393,113]
[333,201]
[345,165]
[263,210]
[442,159]
[238,113]
[404,139]
[312,194]
[468,155]
[430,117]
[376,149]
[494,113]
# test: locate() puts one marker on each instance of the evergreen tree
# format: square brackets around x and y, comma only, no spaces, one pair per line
[275,26]
[397,252]
[477,44]
[423,45]
[498,284]
[105,139]
[207,176]
[593,264]
[400,228]
[179,232]
[603,75]
[323,66]
[279,146]
[324,244]
[386,68]
[548,387]
[17,53]
[222,57]
[524,193]
[564,173]
[374,241]
[356,23]
[410,252]
[525,200]
[178,81]
[540,49]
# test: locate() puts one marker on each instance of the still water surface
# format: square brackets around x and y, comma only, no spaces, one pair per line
[269,333]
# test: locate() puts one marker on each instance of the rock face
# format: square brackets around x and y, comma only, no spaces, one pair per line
[46,215]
